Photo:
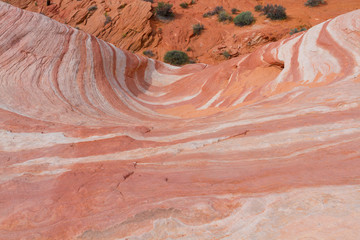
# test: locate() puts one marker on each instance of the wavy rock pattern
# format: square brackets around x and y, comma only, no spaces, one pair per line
[125,23]
[98,143]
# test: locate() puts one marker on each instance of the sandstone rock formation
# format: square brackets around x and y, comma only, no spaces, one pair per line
[128,24]
[99,143]
[125,23]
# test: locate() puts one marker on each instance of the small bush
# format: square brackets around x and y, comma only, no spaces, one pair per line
[192,2]
[148,53]
[234,11]
[92,8]
[164,10]
[107,19]
[295,30]
[267,8]
[224,16]
[314,3]
[216,10]
[197,28]
[244,18]
[176,57]
[258,8]
[226,54]
[184,5]
[274,12]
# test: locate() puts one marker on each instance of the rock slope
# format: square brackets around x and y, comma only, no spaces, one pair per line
[124,23]
[99,143]
[132,24]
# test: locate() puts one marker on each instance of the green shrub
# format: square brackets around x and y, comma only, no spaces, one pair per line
[234,11]
[244,18]
[184,5]
[216,10]
[295,30]
[192,2]
[176,57]
[148,53]
[224,16]
[197,28]
[92,8]
[226,54]
[258,8]
[314,3]
[107,19]
[164,10]
[274,12]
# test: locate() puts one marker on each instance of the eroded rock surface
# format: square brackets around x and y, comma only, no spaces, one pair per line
[131,24]
[125,23]
[99,143]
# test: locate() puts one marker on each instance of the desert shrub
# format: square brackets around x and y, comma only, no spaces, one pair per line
[244,18]
[107,19]
[184,5]
[151,1]
[122,6]
[192,2]
[216,10]
[176,57]
[274,12]
[224,16]
[314,3]
[164,10]
[226,54]
[234,11]
[148,53]
[197,28]
[295,30]
[92,8]
[267,8]
[258,8]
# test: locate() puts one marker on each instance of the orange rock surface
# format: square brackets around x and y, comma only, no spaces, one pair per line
[99,143]
[132,26]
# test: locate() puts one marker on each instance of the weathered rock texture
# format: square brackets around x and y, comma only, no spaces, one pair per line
[125,23]
[131,24]
[98,143]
